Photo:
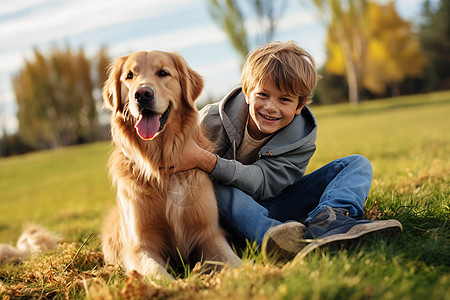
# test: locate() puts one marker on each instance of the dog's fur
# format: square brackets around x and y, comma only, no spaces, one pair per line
[157,216]
[33,240]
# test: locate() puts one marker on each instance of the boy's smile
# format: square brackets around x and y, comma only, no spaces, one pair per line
[270,109]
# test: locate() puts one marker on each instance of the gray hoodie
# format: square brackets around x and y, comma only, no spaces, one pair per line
[281,161]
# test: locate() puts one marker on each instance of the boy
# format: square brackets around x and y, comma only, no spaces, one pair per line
[265,136]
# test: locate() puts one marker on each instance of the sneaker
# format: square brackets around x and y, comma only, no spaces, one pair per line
[333,225]
[281,243]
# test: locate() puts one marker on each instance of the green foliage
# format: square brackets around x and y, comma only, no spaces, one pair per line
[55,96]
[375,43]
[233,19]
[230,18]
[435,39]
[394,52]
[330,89]
[347,40]
[406,139]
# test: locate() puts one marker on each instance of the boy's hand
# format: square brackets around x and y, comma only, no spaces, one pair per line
[193,157]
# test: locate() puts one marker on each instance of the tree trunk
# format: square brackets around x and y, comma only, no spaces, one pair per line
[395,90]
[351,66]
[353,85]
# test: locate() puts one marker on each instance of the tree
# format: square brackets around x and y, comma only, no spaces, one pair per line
[435,40]
[103,62]
[392,52]
[331,88]
[232,19]
[55,99]
[348,29]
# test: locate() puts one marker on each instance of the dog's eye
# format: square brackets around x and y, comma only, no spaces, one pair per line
[162,73]
[130,75]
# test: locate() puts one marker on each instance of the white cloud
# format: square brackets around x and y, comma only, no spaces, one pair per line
[8,124]
[11,60]
[175,40]
[12,7]
[220,67]
[220,77]
[74,17]
[295,18]
[8,120]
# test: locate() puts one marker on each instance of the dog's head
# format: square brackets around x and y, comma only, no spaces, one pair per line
[144,87]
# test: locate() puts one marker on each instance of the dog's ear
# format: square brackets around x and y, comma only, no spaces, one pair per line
[111,89]
[191,81]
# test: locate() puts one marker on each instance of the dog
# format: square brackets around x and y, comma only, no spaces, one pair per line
[158,217]
[35,239]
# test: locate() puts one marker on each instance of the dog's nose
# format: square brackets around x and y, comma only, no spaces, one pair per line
[144,94]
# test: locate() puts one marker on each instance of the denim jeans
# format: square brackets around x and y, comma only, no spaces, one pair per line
[343,183]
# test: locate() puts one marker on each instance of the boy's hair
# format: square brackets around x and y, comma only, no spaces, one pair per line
[291,68]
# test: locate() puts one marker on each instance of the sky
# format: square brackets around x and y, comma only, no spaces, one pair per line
[184,26]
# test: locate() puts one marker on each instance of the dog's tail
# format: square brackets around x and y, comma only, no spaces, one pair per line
[34,239]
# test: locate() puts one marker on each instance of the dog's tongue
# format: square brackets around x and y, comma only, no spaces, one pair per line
[147,125]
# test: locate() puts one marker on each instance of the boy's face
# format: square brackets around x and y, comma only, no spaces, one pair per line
[270,110]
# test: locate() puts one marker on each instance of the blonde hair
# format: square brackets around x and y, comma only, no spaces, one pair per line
[291,68]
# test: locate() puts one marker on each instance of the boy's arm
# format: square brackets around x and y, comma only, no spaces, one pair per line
[267,177]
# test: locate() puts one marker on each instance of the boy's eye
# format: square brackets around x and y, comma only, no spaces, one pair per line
[286,100]
[261,94]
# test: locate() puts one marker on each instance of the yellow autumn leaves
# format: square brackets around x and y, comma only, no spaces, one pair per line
[392,52]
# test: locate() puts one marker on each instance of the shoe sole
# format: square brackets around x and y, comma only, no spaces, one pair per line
[385,227]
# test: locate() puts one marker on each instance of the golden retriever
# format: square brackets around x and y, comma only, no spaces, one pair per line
[34,240]
[157,216]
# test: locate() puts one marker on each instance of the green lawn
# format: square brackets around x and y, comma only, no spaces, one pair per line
[406,139]
[66,190]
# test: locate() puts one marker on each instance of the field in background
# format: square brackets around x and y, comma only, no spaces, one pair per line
[406,139]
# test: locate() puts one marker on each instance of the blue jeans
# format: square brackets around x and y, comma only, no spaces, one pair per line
[343,183]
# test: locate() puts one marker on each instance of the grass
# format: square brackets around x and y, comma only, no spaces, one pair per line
[66,189]
[406,139]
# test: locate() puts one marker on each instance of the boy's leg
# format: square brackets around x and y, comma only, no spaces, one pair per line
[349,188]
[242,213]
[336,193]
[343,183]
[252,220]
